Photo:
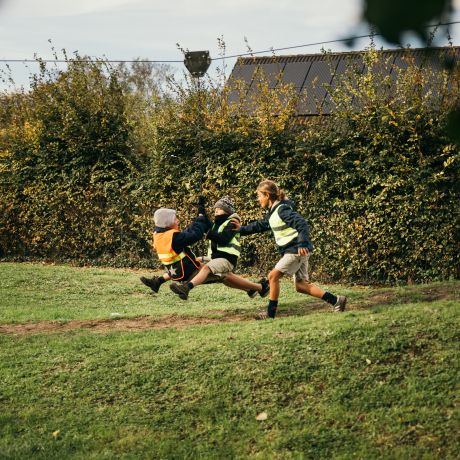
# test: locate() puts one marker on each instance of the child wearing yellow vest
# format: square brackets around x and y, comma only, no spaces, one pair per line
[291,234]
[224,251]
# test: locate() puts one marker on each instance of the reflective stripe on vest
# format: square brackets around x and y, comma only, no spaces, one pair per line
[162,242]
[282,232]
[171,257]
[232,247]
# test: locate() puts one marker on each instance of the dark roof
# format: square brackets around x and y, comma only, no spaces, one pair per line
[311,73]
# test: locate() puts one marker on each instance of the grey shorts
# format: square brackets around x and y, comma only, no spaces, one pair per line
[294,265]
[210,279]
[220,266]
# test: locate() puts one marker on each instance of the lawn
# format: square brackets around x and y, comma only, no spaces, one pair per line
[92,365]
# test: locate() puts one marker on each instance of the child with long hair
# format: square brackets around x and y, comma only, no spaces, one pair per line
[291,234]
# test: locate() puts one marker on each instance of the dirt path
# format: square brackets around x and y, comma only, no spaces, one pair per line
[127,324]
[382,298]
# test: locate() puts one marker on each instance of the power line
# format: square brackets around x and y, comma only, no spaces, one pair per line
[349,39]
[249,53]
[63,61]
[272,50]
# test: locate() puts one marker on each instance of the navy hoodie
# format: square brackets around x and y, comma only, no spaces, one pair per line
[181,240]
[291,218]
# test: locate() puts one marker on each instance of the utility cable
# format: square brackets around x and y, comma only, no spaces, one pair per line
[249,53]
[349,39]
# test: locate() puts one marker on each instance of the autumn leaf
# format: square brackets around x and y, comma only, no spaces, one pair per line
[262,416]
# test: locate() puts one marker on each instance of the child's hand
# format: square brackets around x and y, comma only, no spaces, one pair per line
[302,252]
[236,225]
[201,204]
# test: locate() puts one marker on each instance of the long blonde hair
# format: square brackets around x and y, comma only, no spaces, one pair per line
[271,188]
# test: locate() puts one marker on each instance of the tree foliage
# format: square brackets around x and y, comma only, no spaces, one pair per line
[86,158]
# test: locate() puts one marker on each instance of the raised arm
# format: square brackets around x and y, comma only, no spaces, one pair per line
[256,226]
[192,234]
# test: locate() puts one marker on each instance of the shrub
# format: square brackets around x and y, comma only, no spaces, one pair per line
[84,163]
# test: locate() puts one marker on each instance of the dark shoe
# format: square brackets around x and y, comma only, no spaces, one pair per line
[341,303]
[262,315]
[180,289]
[265,287]
[153,283]
[263,292]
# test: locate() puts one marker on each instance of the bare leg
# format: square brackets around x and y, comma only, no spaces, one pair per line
[201,276]
[338,302]
[309,288]
[237,282]
[231,280]
[274,279]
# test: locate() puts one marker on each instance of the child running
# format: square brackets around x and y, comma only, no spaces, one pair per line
[224,251]
[290,230]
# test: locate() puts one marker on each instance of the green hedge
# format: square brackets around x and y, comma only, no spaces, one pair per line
[82,171]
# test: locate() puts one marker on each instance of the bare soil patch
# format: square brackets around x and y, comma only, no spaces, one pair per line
[179,322]
[123,324]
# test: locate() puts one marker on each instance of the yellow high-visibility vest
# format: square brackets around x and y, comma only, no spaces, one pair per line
[232,247]
[282,232]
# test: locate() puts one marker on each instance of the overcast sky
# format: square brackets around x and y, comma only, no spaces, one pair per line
[126,29]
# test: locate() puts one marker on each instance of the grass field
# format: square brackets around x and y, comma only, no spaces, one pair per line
[94,366]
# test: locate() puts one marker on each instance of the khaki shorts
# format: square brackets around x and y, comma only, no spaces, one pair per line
[295,265]
[220,266]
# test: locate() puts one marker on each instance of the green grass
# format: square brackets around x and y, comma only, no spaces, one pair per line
[379,381]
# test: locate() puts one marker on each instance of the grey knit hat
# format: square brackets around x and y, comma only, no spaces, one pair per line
[225,203]
[164,217]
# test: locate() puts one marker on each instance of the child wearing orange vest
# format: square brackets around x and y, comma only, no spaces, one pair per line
[181,264]
[172,247]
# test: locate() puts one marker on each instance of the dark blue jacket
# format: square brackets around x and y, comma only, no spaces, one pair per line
[291,218]
[181,241]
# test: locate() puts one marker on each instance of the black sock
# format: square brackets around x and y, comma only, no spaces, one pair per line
[161,280]
[330,298]
[189,285]
[271,309]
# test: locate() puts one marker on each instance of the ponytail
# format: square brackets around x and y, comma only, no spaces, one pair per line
[271,188]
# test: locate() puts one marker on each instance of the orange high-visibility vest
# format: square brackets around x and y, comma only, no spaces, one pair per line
[162,242]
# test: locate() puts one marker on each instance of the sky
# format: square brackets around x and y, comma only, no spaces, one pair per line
[127,29]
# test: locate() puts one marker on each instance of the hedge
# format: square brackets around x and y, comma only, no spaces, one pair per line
[84,164]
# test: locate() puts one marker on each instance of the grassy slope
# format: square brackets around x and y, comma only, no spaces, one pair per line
[378,382]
